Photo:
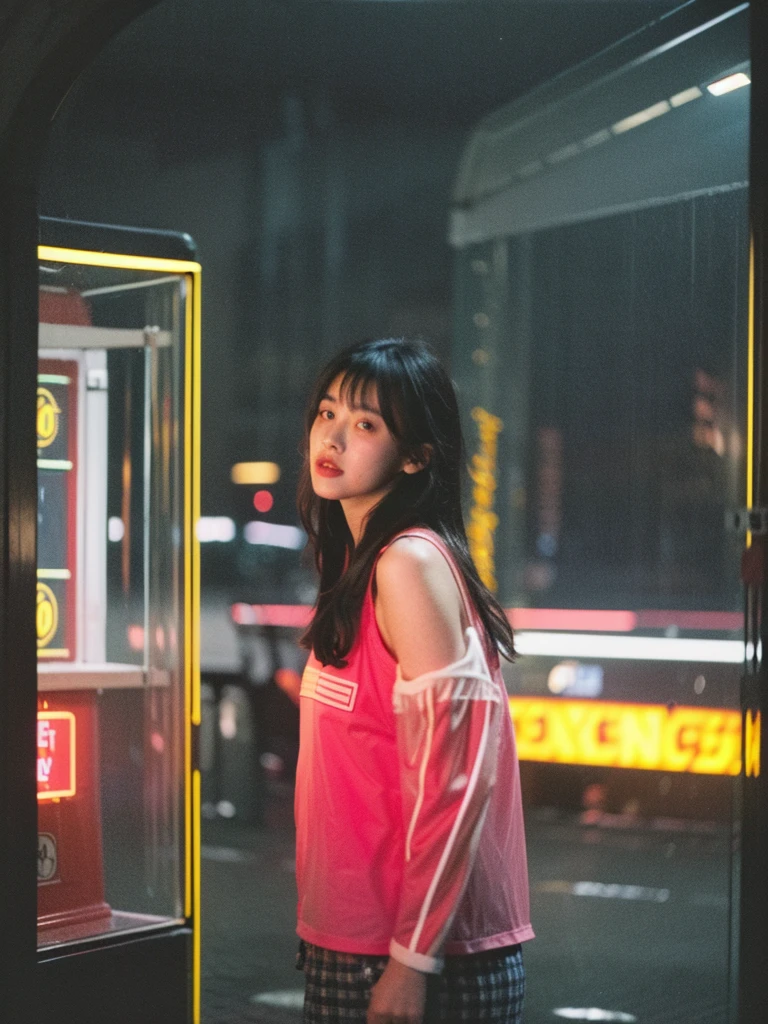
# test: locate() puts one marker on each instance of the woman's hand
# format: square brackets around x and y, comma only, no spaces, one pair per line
[398,997]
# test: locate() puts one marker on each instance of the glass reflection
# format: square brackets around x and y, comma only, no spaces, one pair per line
[110,600]
[601,348]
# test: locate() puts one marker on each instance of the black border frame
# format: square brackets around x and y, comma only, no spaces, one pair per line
[43,47]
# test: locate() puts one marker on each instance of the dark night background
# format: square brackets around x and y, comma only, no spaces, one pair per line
[310,149]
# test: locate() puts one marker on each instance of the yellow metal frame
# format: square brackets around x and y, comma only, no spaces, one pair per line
[119,261]
[192,711]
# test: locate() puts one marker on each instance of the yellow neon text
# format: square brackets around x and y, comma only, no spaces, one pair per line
[655,737]
[482,519]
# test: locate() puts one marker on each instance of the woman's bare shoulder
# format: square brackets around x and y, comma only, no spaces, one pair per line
[411,553]
[418,605]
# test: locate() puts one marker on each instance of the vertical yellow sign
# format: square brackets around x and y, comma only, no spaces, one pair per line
[751,744]
[482,519]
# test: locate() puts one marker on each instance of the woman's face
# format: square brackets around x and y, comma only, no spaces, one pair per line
[353,458]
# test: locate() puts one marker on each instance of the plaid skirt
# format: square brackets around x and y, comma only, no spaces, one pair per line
[487,986]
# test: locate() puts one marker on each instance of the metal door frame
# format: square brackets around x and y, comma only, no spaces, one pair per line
[751,899]
[43,48]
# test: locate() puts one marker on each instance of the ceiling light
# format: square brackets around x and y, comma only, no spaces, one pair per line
[728,84]
[593,1013]
[685,96]
[641,117]
[563,154]
[596,138]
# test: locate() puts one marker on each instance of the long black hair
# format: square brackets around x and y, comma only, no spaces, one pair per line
[418,404]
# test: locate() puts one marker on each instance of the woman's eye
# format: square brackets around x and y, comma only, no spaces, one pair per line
[365,425]
[325,414]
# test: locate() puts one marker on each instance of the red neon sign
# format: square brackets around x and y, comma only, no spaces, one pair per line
[55,755]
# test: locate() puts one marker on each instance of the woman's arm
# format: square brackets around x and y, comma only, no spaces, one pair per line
[448,717]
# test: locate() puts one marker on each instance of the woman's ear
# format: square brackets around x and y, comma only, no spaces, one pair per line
[419,460]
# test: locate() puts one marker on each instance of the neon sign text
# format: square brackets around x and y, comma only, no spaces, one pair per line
[655,737]
[56,757]
[482,519]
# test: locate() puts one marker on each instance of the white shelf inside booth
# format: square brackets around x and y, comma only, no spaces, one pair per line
[71,675]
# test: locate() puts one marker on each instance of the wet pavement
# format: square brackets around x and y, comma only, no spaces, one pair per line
[632,919]
[248,917]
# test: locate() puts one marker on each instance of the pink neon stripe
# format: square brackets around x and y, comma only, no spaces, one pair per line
[295,615]
[690,620]
[569,619]
[566,619]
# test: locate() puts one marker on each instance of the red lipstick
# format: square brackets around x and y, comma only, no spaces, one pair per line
[327,467]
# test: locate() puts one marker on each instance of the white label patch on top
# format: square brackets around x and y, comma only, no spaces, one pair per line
[328,689]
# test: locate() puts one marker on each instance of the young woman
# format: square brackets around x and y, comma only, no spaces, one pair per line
[411,867]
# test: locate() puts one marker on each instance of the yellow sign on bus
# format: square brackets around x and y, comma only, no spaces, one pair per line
[652,736]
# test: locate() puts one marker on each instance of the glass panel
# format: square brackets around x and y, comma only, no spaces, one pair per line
[603,372]
[110,600]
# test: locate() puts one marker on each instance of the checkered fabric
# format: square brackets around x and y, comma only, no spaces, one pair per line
[475,988]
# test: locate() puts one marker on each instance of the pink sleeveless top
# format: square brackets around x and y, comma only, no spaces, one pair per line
[409,818]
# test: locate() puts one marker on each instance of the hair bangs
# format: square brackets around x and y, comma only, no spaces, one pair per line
[370,373]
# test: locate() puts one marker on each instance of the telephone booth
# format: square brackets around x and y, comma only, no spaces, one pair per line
[116,619]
